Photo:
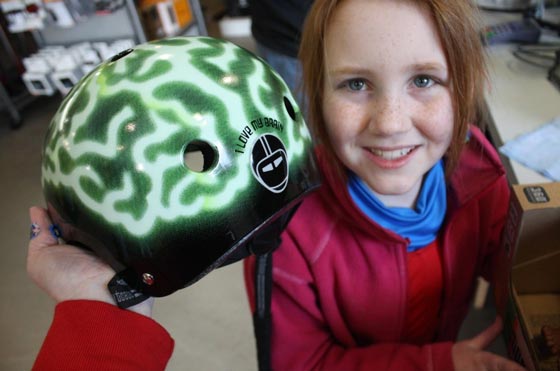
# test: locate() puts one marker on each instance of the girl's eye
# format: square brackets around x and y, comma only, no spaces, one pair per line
[423,81]
[356,84]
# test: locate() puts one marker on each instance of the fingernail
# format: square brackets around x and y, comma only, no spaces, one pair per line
[35,230]
[55,231]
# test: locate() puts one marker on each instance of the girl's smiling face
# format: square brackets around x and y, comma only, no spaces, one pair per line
[387,100]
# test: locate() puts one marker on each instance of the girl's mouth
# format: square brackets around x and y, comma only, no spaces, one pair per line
[392,154]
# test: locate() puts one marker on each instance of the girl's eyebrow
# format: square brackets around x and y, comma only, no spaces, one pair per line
[429,66]
[349,70]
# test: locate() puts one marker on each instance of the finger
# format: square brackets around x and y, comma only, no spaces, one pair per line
[43,232]
[486,337]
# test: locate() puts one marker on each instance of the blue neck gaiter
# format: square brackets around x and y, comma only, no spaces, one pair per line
[421,224]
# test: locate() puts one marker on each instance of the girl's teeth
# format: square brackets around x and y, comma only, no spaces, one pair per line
[392,155]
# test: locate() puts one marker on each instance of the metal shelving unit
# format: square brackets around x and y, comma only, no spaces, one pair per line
[124,23]
[11,104]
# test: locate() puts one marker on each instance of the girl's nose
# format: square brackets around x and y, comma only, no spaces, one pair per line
[388,116]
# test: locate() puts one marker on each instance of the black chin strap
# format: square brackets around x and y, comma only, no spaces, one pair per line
[261,317]
[263,246]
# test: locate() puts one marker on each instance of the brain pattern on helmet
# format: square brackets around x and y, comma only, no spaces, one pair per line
[103,147]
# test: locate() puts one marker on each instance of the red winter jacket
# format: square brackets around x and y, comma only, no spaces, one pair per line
[340,280]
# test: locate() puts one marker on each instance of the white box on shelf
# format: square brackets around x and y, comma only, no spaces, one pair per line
[66,62]
[36,64]
[38,83]
[52,55]
[64,80]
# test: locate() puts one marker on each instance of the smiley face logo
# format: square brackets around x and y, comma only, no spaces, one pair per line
[269,163]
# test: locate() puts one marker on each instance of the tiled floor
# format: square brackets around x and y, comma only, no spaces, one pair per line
[210,321]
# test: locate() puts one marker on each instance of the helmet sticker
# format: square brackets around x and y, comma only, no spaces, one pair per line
[269,159]
[270,162]
[256,124]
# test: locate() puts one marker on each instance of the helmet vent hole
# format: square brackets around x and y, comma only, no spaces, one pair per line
[119,55]
[290,108]
[199,156]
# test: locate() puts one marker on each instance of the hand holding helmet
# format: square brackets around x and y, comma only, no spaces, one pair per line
[66,272]
[170,158]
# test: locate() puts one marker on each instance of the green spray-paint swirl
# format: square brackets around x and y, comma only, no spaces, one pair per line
[116,143]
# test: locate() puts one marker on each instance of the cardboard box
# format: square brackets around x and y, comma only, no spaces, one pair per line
[527,286]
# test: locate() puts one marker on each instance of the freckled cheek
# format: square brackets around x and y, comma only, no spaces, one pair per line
[437,120]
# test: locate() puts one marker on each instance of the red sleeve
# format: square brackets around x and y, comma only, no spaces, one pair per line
[301,339]
[92,335]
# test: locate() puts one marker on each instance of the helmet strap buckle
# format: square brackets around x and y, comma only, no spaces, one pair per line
[124,295]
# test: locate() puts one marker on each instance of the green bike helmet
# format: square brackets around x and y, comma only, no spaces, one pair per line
[168,159]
